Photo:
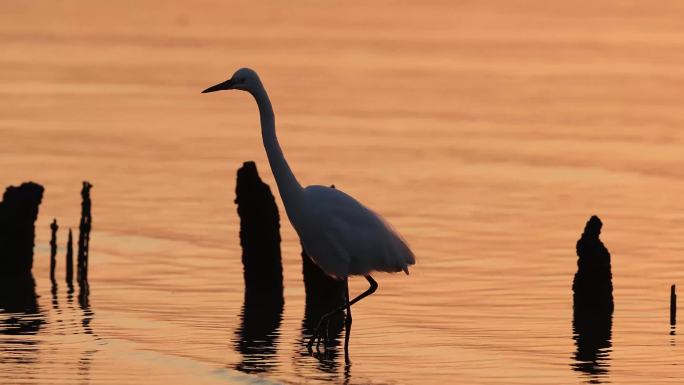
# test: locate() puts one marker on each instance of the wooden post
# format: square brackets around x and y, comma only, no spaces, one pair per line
[70,262]
[673,306]
[18,214]
[593,283]
[84,234]
[53,251]
[259,235]
[262,310]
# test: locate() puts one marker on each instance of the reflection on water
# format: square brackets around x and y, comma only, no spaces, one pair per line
[328,353]
[86,358]
[257,335]
[592,335]
[87,314]
[19,302]
[54,290]
[23,322]
[21,316]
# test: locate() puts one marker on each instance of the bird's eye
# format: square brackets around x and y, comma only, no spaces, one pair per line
[240,80]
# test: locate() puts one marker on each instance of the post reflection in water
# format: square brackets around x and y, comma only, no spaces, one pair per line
[86,313]
[19,305]
[592,332]
[21,316]
[86,359]
[55,301]
[86,317]
[23,324]
[257,335]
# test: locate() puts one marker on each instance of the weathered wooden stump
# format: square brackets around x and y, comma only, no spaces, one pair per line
[593,283]
[70,262]
[673,305]
[53,251]
[592,303]
[84,228]
[259,234]
[18,214]
[262,270]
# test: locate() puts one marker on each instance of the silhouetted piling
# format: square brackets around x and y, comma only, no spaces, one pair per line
[593,283]
[18,214]
[84,235]
[53,250]
[673,306]
[70,262]
[259,234]
[592,321]
[262,310]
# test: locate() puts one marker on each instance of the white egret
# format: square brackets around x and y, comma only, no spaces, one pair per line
[341,235]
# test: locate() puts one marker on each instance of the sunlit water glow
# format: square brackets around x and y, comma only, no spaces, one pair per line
[487,134]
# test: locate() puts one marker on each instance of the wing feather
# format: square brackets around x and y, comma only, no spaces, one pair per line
[346,238]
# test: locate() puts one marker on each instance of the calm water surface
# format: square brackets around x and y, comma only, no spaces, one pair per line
[488,134]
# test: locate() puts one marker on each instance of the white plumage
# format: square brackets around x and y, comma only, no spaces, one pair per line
[346,238]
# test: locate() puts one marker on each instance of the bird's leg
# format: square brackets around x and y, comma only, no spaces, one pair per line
[373,287]
[317,336]
[347,322]
[321,336]
[324,337]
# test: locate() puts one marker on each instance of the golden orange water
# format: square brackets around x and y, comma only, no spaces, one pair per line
[486,133]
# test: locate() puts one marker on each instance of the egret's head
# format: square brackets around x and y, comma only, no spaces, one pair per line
[244,79]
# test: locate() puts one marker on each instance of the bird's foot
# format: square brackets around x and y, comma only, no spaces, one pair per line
[320,334]
[317,337]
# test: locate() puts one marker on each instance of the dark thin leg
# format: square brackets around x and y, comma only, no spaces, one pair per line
[316,335]
[347,322]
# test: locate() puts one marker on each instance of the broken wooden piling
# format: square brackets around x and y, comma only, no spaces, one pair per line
[259,234]
[70,262]
[262,270]
[592,320]
[673,306]
[593,283]
[84,228]
[18,214]
[53,250]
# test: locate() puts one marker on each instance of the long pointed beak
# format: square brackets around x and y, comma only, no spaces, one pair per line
[219,87]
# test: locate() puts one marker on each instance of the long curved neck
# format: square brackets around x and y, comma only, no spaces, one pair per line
[289,187]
